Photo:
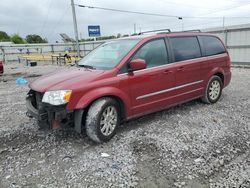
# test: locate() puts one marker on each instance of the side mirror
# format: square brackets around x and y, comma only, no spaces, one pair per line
[137,64]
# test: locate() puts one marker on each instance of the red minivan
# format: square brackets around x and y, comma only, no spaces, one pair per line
[1,63]
[130,77]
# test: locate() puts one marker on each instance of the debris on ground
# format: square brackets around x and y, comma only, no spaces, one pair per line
[21,81]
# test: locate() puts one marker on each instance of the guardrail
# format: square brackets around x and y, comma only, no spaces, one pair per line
[13,52]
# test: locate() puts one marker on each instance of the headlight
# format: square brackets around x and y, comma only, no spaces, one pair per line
[57,97]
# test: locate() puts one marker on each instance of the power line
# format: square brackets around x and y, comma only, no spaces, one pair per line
[221,10]
[153,14]
[228,8]
[127,11]
[182,4]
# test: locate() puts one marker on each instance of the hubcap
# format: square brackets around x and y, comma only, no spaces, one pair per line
[108,120]
[214,90]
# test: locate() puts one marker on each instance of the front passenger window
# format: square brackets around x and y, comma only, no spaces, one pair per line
[154,53]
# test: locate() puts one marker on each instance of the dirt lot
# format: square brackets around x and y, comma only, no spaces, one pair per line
[191,145]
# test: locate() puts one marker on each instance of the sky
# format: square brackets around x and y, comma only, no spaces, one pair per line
[49,18]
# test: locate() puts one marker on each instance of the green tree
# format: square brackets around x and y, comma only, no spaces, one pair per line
[4,36]
[35,39]
[17,39]
[106,37]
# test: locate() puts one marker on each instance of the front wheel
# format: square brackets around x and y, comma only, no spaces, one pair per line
[102,119]
[213,90]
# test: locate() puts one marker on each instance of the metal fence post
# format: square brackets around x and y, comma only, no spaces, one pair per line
[52,48]
[226,37]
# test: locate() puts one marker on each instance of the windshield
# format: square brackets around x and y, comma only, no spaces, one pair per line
[108,55]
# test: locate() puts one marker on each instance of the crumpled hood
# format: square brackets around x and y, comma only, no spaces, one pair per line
[65,79]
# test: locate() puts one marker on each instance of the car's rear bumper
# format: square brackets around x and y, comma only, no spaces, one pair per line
[227,78]
[1,67]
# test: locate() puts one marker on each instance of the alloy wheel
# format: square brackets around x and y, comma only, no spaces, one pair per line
[108,120]
[214,90]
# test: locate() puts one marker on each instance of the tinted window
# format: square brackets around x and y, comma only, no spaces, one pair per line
[185,48]
[154,53]
[212,45]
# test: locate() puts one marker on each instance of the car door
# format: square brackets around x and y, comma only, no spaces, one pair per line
[187,59]
[150,87]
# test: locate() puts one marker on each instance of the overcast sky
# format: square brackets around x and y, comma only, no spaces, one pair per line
[48,18]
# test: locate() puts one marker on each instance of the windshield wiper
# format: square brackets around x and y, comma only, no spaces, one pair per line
[86,66]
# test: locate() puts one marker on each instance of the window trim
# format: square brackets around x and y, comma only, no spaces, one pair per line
[128,61]
[166,66]
[172,50]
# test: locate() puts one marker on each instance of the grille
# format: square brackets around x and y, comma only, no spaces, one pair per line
[36,98]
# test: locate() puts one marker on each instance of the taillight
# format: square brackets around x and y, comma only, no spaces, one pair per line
[228,60]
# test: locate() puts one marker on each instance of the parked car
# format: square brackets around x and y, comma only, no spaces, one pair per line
[131,77]
[1,63]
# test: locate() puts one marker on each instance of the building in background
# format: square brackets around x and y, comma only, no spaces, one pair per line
[237,40]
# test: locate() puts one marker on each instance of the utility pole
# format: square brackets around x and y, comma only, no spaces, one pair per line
[75,27]
[182,23]
[134,28]
[223,22]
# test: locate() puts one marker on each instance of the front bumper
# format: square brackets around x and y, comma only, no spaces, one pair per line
[47,115]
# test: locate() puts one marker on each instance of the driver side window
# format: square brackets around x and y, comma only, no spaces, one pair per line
[154,53]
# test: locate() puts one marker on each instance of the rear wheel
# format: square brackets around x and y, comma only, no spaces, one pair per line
[102,119]
[213,90]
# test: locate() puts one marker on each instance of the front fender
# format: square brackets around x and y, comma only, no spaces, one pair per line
[94,94]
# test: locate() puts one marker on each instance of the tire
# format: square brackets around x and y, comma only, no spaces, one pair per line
[102,119]
[213,90]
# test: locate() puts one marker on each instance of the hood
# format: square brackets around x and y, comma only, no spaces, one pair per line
[65,79]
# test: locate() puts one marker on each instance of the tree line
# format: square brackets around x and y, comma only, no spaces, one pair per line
[33,38]
[104,37]
[17,39]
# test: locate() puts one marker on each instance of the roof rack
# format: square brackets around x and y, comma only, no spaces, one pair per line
[194,30]
[165,31]
[152,31]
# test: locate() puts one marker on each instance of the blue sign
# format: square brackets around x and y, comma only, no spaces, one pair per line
[94,30]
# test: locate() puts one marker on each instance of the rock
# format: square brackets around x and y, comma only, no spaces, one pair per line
[198,160]
[104,155]
[183,183]
[217,151]
[221,162]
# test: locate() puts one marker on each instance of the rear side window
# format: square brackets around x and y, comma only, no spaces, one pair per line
[154,53]
[212,45]
[185,48]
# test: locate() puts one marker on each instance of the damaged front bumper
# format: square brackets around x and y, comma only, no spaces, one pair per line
[50,116]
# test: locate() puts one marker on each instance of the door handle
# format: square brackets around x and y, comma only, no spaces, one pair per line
[180,69]
[167,71]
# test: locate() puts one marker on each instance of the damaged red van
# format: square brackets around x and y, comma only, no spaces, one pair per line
[1,63]
[130,77]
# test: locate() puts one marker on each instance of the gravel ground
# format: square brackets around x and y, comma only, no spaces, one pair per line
[191,145]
